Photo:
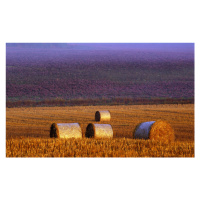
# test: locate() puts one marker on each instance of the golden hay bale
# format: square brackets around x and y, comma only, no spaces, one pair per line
[65,130]
[54,131]
[154,130]
[99,131]
[103,115]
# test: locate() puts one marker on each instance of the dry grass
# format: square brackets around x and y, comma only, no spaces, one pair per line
[33,125]
[86,147]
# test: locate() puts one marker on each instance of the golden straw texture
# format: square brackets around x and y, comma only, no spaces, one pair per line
[103,115]
[99,131]
[161,131]
[66,130]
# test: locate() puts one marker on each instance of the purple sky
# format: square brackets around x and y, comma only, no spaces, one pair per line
[165,47]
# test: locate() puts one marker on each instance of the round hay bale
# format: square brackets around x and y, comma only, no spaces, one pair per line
[155,130]
[103,115]
[99,131]
[65,130]
[54,131]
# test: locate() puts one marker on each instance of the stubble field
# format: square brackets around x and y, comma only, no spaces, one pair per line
[27,131]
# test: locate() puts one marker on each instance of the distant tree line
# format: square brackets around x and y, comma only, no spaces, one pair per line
[103,101]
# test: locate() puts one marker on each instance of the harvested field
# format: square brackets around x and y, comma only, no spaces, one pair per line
[27,131]
[118,147]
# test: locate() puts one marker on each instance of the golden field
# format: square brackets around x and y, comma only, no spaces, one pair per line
[27,131]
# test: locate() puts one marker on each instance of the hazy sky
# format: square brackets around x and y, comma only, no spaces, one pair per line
[180,47]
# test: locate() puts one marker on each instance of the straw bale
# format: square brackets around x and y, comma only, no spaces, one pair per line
[54,131]
[161,131]
[103,115]
[65,130]
[99,131]
[142,130]
[154,130]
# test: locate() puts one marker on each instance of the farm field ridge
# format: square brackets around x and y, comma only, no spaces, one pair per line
[30,125]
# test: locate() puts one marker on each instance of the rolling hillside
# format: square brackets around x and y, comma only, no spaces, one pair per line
[68,73]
